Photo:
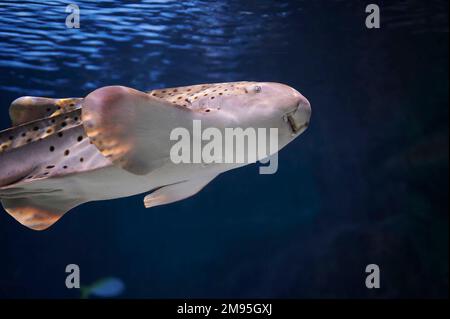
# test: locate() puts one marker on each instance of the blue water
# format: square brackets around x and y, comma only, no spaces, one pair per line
[367,183]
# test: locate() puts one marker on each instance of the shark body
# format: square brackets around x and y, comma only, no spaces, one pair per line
[114,143]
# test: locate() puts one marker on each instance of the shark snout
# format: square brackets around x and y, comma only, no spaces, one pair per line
[304,107]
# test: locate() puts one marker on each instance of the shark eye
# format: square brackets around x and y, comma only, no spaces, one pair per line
[257,89]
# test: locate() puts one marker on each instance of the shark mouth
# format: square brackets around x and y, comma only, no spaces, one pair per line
[294,122]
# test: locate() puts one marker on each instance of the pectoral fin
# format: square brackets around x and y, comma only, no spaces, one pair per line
[175,192]
[37,211]
[131,128]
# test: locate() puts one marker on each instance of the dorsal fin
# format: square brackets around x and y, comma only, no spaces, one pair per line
[29,108]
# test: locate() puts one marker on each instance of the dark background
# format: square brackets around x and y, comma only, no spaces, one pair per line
[367,183]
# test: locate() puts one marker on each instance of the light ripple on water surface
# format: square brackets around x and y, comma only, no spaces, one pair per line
[136,42]
[150,34]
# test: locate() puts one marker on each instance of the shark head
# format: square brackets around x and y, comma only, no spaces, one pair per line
[259,105]
[245,104]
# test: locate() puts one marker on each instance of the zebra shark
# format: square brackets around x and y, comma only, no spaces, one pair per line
[113,143]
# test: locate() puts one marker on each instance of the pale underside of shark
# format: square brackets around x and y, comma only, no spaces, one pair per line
[60,153]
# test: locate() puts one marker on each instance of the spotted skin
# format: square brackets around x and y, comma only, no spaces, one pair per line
[52,146]
[202,98]
[27,133]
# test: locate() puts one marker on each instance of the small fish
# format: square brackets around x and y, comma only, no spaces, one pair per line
[104,288]
[114,143]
